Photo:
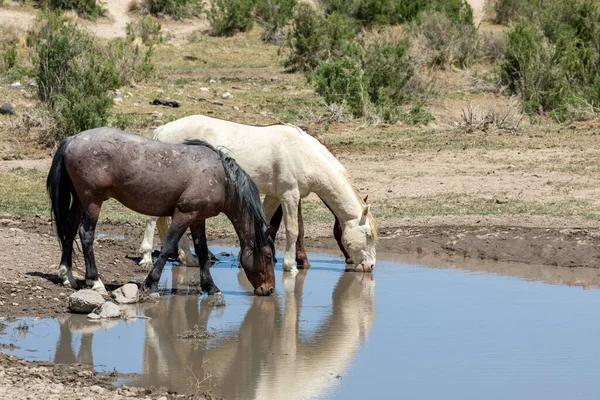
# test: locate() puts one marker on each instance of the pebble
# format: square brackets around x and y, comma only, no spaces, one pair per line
[15,84]
[226,95]
[204,89]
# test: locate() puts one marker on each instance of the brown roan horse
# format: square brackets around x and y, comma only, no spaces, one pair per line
[191,182]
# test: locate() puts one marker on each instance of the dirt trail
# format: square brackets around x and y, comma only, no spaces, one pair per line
[478,7]
[117,20]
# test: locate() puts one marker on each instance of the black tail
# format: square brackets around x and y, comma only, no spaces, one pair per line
[65,205]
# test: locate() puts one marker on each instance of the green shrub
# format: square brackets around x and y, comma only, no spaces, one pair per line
[341,81]
[228,17]
[273,15]
[444,41]
[146,28]
[373,80]
[72,75]
[386,12]
[9,57]
[85,8]
[553,62]
[314,38]
[388,69]
[174,8]
[133,62]
[514,10]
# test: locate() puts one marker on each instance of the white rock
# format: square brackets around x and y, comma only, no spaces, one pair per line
[93,316]
[85,301]
[108,310]
[226,95]
[204,89]
[126,294]
[117,100]
[15,84]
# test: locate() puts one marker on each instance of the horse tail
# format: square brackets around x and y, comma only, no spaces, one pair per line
[63,198]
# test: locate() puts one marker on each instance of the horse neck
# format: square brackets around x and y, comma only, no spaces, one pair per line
[242,222]
[339,195]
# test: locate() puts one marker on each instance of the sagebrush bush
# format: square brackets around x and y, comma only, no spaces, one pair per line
[228,17]
[553,62]
[86,8]
[273,15]
[314,38]
[146,28]
[133,62]
[386,12]
[174,8]
[371,82]
[341,81]
[514,10]
[445,41]
[72,74]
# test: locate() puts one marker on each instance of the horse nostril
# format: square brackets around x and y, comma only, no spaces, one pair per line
[271,290]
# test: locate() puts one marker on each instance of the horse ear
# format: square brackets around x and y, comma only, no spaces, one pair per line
[366,198]
[270,232]
[365,212]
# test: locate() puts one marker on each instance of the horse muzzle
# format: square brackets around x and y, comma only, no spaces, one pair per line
[264,290]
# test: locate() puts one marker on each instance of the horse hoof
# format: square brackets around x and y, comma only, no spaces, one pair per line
[154,295]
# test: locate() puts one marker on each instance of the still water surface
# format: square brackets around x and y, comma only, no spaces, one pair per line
[407,331]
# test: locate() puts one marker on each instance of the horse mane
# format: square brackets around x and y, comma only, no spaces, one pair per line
[248,195]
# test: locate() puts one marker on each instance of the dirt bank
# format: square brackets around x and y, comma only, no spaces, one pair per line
[20,380]
[29,285]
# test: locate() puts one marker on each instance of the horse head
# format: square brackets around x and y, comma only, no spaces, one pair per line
[359,237]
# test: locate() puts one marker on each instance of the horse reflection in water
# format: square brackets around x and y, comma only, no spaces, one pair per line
[267,358]
[68,327]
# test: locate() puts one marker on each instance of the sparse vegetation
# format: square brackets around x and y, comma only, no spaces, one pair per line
[173,8]
[85,8]
[273,15]
[228,17]
[554,63]
[146,28]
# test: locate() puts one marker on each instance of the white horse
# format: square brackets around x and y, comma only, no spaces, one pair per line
[286,164]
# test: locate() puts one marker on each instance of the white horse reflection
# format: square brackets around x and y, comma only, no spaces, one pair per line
[267,357]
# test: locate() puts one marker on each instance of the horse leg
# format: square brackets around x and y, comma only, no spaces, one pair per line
[289,203]
[146,246]
[337,234]
[207,285]
[65,272]
[179,224]
[87,233]
[301,258]
[184,255]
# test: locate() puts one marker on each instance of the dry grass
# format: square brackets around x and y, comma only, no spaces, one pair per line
[504,119]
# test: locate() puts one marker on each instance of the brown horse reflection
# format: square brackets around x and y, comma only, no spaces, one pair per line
[267,358]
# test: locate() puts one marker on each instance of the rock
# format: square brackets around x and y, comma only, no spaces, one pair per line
[97,389]
[7,109]
[212,81]
[117,100]
[93,316]
[157,115]
[85,301]
[203,89]
[266,90]
[236,108]
[15,84]
[126,294]
[134,86]
[226,95]
[108,310]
